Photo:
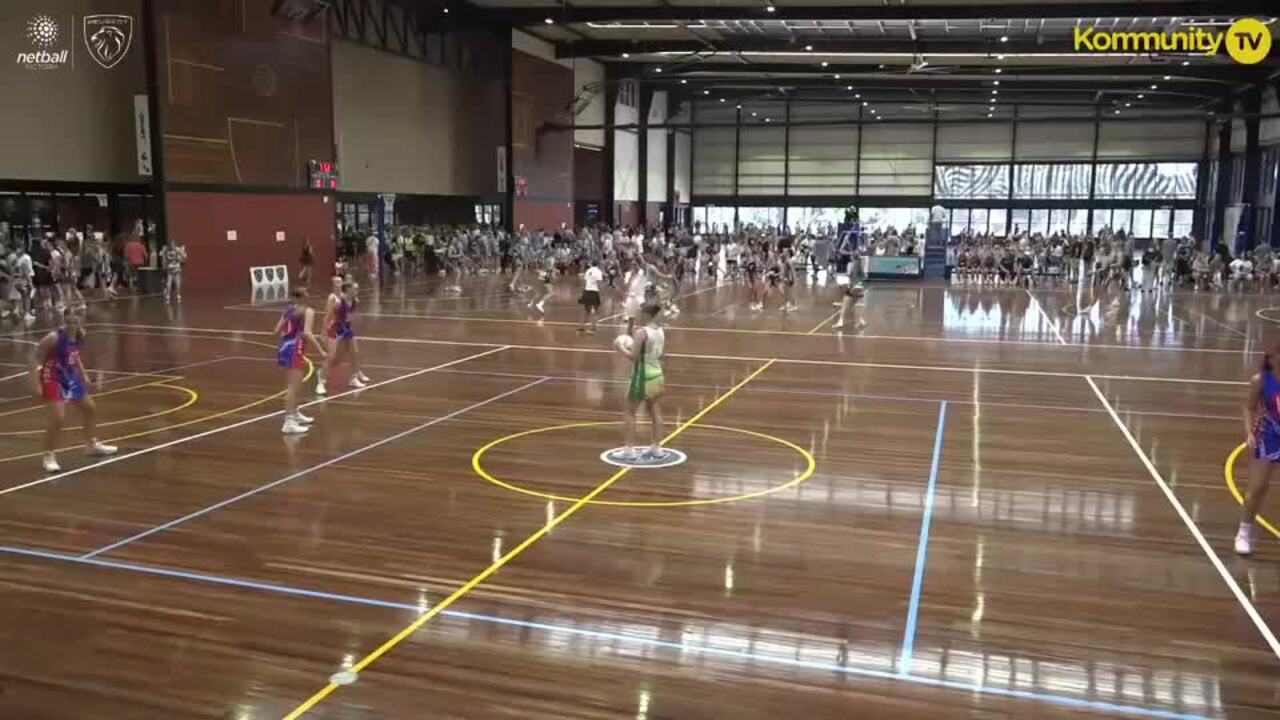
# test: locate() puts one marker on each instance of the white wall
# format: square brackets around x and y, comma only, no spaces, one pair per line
[626,155]
[656,189]
[588,81]
[683,156]
[436,134]
[1269,128]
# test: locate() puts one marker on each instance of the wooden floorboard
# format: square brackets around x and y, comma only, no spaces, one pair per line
[977,538]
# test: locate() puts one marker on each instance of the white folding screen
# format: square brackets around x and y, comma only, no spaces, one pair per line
[713,152]
[823,158]
[1119,140]
[975,142]
[896,160]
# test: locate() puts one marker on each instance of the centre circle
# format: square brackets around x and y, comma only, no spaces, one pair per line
[191,398]
[477,464]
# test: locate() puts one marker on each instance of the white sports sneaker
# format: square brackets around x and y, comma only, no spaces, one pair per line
[362,377]
[293,427]
[51,463]
[304,419]
[98,449]
[355,382]
[321,388]
[1244,541]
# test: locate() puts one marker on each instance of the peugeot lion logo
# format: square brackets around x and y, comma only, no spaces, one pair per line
[107,38]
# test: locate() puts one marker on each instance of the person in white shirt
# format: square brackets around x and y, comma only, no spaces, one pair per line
[23,272]
[1241,273]
[590,299]
[371,255]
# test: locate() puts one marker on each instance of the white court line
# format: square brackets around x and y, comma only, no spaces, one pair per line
[797,333]
[699,356]
[678,298]
[242,423]
[318,466]
[19,374]
[1230,581]
[822,324]
[1215,321]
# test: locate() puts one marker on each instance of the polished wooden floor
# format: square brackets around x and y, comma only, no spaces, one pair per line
[1017,509]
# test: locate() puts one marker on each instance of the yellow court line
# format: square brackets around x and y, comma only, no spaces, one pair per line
[1229,470]
[310,371]
[96,395]
[192,398]
[799,478]
[512,554]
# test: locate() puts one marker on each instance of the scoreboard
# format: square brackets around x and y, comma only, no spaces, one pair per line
[322,175]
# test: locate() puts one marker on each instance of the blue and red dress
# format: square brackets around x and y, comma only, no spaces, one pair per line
[290,354]
[60,378]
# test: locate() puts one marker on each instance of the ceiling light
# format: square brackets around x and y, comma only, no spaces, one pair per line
[849,87]
[657,70]
[766,119]
[1000,57]
[837,76]
[753,114]
[1128,104]
[739,107]
[857,96]
[992,108]
[808,48]
[1153,87]
[683,81]
[549,21]
[996,82]
[1140,96]
[864,103]
[1117,112]
[873,111]
[1186,62]
[770,8]
[825,63]
[988,114]
[446,11]
[626,55]
[999,70]
[1168,77]
[721,99]
[706,92]
[1004,38]
[995,92]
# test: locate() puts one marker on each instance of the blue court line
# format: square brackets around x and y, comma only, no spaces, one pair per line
[922,548]
[313,468]
[1061,700]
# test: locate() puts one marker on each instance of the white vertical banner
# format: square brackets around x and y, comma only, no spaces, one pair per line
[142,133]
[502,169]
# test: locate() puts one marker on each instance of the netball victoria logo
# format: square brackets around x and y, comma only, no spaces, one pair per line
[48,50]
[107,38]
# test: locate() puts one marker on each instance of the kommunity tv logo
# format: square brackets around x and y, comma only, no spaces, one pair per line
[1247,41]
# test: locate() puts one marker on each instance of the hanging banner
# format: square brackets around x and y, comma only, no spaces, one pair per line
[502,169]
[142,133]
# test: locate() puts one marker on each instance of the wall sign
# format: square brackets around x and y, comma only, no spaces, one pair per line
[142,133]
[107,38]
[46,43]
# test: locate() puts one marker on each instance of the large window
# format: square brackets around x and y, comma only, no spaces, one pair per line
[1182,221]
[1079,222]
[762,218]
[1146,181]
[1141,223]
[1058,220]
[1101,220]
[897,218]
[1020,221]
[1122,220]
[1160,223]
[997,221]
[1058,181]
[814,219]
[965,182]
[1039,222]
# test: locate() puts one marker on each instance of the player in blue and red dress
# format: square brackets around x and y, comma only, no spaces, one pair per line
[294,329]
[340,336]
[1262,433]
[60,378]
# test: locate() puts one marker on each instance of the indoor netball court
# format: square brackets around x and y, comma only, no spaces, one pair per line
[992,503]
